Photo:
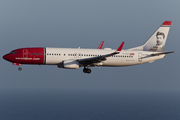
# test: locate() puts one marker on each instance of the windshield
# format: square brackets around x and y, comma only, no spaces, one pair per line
[13,52]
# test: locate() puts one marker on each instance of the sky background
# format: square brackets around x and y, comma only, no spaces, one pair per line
[84,23]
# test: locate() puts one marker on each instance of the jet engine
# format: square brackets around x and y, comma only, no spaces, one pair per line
[70,64]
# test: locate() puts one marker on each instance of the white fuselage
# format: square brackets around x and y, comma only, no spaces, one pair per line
[55,56]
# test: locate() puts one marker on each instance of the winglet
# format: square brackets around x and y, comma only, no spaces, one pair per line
[120,47]
[101,45]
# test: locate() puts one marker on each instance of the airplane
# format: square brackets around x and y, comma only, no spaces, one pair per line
[74,58]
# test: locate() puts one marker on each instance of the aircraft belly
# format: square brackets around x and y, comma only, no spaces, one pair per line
[151,59]
[53,60]
[119,62]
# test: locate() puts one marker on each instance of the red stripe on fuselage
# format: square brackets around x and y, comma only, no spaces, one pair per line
[28,56]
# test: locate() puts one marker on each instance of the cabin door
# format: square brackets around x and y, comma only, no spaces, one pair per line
[140,57]
[25,53]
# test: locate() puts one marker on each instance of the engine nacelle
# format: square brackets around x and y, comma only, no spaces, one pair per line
[70,64]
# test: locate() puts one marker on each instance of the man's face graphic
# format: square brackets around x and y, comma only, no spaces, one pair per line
[159,39]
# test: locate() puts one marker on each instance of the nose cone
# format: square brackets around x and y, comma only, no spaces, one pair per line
[6,57]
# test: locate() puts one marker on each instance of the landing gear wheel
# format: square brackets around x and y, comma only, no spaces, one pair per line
[19,68]
[85,70]
[88,71]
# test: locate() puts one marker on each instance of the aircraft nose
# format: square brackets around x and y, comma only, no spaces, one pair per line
[5,57]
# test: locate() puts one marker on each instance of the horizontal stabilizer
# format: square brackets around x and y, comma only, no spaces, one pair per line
[162,53]
[157,54]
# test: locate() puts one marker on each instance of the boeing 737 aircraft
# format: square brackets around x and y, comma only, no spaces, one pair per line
[73,58]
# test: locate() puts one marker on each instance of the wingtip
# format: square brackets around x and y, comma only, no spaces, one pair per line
[120,47]
[101,45]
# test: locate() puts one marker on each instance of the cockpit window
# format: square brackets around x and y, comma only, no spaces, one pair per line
[13,52]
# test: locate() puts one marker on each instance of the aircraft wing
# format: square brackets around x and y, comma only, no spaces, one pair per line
[98,59]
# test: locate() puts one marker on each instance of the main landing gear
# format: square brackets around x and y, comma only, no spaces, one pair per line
[86,70]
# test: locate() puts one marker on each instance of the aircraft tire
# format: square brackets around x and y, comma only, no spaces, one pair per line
[19,68]
[88,71]
[85,70]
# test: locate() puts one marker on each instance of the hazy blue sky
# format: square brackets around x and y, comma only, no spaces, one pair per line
[84,23]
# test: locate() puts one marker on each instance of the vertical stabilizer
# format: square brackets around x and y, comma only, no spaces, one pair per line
[157,41]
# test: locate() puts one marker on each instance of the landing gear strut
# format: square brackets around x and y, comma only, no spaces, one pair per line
[18,64]
[86,70]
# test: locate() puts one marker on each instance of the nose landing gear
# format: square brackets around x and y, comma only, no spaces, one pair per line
[18,64]
[19,68]
[87,70]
